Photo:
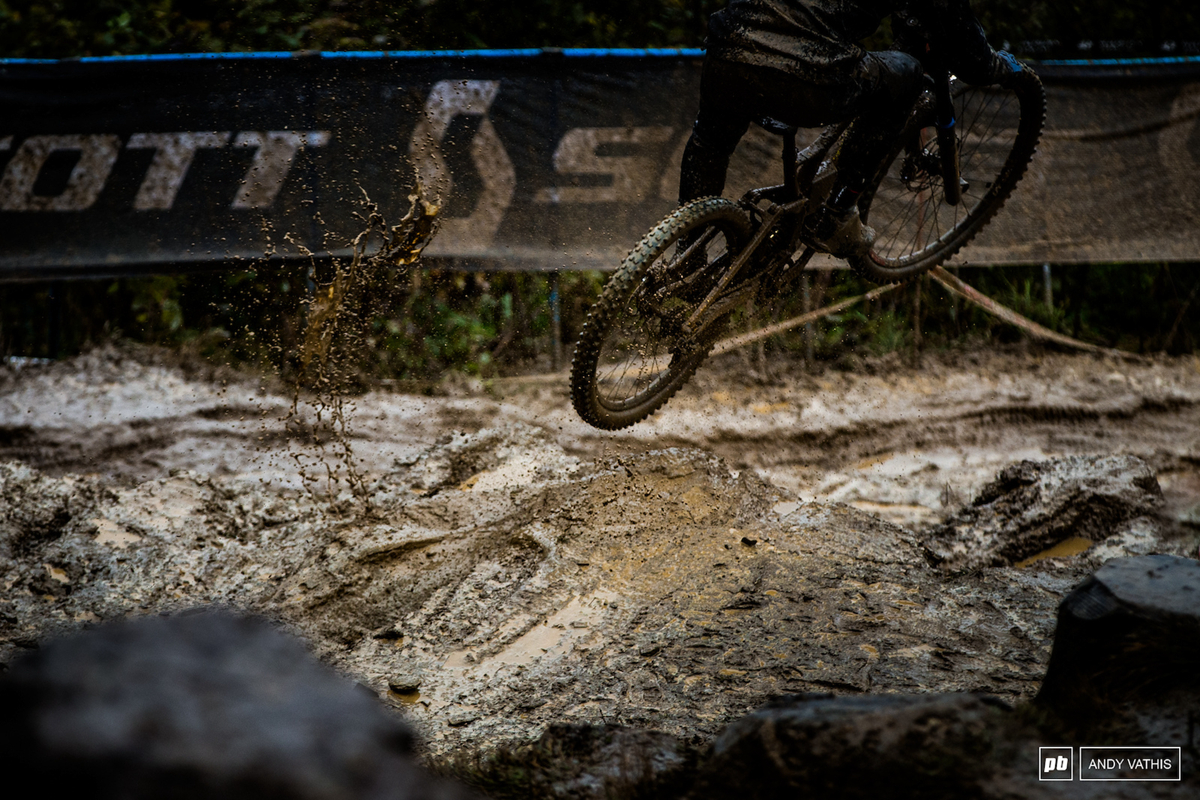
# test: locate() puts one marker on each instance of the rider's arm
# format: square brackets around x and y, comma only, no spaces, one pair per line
[952,29]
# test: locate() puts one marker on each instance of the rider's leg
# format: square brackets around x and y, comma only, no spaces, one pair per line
[732,95]
[720,124]
[887,85]
[881,93]
[702,173]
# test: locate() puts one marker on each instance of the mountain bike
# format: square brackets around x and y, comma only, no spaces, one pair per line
[958,158]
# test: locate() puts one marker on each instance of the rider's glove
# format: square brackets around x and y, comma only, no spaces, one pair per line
[1006,67]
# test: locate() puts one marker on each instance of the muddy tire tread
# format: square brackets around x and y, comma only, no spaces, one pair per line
[1032,98]
[616,293]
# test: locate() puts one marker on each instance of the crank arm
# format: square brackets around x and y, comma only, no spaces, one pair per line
[790,271]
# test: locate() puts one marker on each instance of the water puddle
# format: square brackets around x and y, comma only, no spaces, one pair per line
[406,698]
[1064,549]
[563,631]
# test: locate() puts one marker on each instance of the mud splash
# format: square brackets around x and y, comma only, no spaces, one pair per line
[330,349]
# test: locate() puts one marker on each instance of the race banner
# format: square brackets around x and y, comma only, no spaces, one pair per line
[538,159]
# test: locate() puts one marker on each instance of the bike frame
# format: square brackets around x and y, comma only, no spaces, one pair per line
[809,177]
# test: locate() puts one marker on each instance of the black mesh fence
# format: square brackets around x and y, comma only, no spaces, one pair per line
[539,159]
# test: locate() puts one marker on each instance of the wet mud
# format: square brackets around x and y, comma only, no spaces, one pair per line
[758,537]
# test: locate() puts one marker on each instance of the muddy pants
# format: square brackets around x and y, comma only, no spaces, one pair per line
[732,95]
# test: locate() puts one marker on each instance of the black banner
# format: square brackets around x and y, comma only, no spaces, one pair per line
[541,160]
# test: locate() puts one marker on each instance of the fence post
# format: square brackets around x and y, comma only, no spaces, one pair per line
[916,312]
[809,355]
[555,323]
[54,299]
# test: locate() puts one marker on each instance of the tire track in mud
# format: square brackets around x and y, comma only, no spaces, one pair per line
[913,446]
[979,429]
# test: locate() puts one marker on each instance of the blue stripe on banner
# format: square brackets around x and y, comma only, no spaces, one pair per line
[525,53]
[530,52]
[1119,62]
[183,57]
[631,52]
[569,52]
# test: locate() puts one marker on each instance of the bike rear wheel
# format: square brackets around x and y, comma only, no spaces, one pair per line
[632,356]
[998,131]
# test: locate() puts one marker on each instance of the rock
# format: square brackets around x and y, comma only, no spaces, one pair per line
[873,747]
[200,705]
[405,683]
[1131,632]
[868,747]
[1033,506]
[462,716]
[586,762]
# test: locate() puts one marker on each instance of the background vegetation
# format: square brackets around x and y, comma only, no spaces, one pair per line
[66,28]
[424,322]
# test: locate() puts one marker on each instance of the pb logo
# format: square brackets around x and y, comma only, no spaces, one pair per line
[1056,763]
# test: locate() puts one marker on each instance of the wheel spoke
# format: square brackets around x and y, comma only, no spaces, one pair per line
[914,225]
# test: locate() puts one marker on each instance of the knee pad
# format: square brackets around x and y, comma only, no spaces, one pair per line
[900,73]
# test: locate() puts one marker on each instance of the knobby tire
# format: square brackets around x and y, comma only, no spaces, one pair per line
[915,229]
[622,327]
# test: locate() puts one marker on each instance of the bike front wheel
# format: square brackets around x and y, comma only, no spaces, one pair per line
[998,132]
[633,354]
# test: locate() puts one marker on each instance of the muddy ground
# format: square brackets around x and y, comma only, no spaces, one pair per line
[908,443]
[764,534]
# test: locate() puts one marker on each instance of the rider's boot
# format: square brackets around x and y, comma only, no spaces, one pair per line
[839,229]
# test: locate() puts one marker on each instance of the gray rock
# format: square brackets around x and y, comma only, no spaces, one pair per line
[198,706]
[405,683]
[873,747]
[463,716]
[1130,632]
[587,762]
[1033,506]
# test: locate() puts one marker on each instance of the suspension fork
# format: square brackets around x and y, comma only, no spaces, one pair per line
[947,137]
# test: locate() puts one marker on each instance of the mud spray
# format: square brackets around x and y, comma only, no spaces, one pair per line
[331,347]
